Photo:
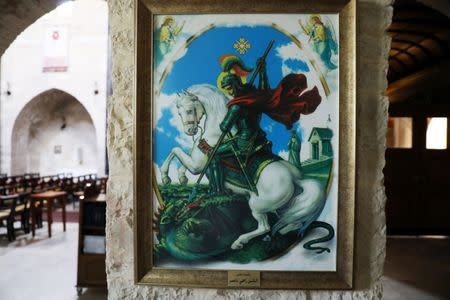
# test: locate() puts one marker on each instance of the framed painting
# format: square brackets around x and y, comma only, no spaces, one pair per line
[245,144]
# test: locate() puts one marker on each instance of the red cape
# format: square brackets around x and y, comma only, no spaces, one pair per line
[286,102]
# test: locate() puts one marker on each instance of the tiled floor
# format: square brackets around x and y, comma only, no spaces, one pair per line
[417,269]
[42,268]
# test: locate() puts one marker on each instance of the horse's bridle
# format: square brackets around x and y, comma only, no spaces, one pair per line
[196,121]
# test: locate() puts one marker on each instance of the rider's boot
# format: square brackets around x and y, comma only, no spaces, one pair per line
[218,174]
[217,178]
[211,179]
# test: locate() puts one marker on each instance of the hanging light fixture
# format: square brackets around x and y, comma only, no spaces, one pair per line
[8,89]
[96,88]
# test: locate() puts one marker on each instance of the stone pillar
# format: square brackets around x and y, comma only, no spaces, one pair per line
[374,16]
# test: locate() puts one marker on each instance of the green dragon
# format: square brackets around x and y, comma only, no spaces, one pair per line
[205,228]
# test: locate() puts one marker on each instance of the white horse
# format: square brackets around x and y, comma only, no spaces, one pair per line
[280,188]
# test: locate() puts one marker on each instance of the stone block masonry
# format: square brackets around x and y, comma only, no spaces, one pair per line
[373,17]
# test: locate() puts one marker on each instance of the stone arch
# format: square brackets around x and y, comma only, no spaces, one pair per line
[16,16]
[54,133]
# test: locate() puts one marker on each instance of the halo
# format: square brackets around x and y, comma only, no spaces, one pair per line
[311,17]
[168,18]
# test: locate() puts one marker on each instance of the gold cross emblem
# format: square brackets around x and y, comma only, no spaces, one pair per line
[242,45]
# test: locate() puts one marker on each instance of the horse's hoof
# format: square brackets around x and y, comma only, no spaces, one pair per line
[183,180]
[237,245]
[166,180]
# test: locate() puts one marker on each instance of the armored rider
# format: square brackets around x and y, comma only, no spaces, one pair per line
[249,137]
[284,104]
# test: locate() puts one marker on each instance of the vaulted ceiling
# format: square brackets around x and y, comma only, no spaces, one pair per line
[420,39]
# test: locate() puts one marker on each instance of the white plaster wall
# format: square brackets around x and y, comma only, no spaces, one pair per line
[38,129]
[75,138]
[21,67]
[373,16]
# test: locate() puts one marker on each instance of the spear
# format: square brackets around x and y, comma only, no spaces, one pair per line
[222,136]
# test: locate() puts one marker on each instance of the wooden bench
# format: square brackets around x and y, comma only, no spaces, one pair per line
[11,207]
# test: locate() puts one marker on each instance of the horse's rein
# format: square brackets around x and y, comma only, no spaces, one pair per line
[196,122]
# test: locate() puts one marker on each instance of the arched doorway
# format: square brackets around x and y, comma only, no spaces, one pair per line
[54,133]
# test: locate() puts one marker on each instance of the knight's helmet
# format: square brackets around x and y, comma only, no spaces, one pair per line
[232,68]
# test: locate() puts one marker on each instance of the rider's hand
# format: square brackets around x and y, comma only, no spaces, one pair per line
[261,62]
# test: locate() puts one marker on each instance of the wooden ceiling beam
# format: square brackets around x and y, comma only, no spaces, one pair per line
[417,45]
[427,35]
[439,5]
[400,62]
[421,27]
[402,51]
[423,15]
[429,78]
[417,21]
[394,71]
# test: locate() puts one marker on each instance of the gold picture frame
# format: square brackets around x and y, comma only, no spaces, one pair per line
[145,272]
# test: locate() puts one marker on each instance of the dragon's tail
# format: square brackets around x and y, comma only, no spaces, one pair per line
[328,237]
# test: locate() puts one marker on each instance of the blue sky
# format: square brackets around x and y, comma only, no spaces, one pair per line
[200,65]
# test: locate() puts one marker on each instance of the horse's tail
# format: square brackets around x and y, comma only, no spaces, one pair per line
[303,209]
[328,237]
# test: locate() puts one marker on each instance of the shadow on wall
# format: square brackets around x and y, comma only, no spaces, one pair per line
[53,134]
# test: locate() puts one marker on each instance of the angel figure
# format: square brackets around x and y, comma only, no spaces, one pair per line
[168,32]
[323,39]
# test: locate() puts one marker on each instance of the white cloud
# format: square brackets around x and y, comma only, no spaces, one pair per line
[333,80]
[183,139]
[290,51]
[162,102]
[167,102]
[167,63]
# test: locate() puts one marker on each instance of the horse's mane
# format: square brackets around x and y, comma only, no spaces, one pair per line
[214,101]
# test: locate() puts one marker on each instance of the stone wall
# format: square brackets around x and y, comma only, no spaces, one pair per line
[374,16]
